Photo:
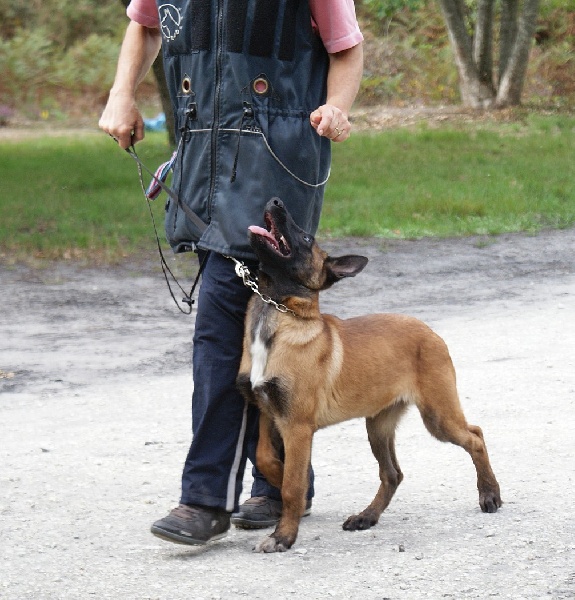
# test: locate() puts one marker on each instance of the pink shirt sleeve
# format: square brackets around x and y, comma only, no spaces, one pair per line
[336,23]
[335,19]
[144,12]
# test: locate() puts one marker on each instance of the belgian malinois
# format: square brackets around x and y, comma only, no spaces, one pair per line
[306,370]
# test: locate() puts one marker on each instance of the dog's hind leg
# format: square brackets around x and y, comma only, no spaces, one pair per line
[444,419]
[381,434]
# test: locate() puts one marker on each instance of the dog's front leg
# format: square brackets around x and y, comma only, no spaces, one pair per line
[267,456]
[297,446]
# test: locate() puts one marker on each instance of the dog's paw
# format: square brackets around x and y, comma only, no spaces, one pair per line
[490,502]
[270,544]
[359,522]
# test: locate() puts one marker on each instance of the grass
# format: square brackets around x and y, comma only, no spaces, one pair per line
[79,196]
[451,182]
[75,197]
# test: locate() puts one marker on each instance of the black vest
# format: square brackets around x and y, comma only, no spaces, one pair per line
[244,76]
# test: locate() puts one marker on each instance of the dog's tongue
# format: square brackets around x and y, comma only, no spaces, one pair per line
[258,230]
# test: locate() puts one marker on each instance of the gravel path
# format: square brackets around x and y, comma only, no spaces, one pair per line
[95,388]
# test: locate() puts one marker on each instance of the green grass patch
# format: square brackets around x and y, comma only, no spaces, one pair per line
[79,196]
[450,182]
[76,196]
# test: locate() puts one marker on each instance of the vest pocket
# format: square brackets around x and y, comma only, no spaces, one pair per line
[290,140]
[190,182]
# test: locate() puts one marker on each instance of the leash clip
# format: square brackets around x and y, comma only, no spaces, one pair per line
[244,274]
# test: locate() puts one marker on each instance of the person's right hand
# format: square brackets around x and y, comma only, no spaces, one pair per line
[122,120]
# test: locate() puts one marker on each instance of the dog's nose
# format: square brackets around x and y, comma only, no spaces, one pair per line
[277,202]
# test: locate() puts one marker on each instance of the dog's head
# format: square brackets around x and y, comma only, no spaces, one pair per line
[291,262]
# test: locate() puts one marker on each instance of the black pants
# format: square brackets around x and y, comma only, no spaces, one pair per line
[224,427]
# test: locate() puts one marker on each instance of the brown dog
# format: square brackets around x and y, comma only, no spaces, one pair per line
[306,371]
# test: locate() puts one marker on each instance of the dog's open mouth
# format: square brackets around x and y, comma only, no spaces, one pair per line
[272,236]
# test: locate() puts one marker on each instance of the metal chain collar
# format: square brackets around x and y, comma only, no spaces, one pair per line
[244,274]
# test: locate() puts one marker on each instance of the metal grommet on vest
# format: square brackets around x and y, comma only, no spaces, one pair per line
[186,85]
[261,86]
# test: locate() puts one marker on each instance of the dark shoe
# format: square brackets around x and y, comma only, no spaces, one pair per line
[260,511]
[194,525]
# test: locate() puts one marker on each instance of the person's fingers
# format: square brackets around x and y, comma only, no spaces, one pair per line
[329,121]
[138,134]
[123,121]
[124,136]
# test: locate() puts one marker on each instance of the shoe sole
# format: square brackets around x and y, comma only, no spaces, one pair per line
[246,523]
[185,540]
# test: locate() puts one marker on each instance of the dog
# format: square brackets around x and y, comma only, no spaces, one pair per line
[306,370]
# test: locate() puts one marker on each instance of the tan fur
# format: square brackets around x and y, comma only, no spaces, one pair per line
[332,370]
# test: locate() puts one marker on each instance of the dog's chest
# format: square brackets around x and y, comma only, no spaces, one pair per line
[259,351]
[262,333]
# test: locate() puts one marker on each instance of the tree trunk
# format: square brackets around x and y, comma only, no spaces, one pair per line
[474,58]
[483,42]
[512,77]
[507,32]
[160,77]
[158,68]
[474,92]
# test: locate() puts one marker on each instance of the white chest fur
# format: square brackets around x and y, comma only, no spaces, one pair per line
[259,354]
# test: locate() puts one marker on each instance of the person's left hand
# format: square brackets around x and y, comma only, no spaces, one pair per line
[331,122]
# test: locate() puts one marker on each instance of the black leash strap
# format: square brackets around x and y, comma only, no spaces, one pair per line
[187,299]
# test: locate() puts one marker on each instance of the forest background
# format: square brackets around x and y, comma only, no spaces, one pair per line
[421,162]
[57,58]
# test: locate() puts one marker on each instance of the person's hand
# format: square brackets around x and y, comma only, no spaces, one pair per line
[122,120]
[331,122]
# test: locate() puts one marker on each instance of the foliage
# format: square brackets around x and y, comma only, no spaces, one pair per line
[57,58]
[54,48]
[14,16]
[63,22]
[409,59]
[95,54]
[381,10]
[25,63]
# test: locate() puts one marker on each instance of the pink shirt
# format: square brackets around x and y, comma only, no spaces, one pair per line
[336,21]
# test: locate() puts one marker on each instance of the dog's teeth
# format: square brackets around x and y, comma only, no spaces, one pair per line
[283,246]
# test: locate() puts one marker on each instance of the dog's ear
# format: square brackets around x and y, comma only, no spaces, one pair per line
[338,267]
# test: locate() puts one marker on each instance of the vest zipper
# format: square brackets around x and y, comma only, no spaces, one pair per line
[217,97]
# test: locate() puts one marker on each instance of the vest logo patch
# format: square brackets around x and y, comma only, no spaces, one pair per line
[170,21]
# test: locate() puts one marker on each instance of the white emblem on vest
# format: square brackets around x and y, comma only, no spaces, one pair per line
[170,20]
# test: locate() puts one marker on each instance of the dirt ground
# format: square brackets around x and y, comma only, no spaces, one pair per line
[95,389]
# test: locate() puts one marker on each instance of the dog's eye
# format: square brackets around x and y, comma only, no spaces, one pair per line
[307,239]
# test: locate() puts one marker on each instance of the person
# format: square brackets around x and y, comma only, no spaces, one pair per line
[260,91]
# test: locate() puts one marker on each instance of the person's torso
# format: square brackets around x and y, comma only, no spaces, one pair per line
[244,77]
